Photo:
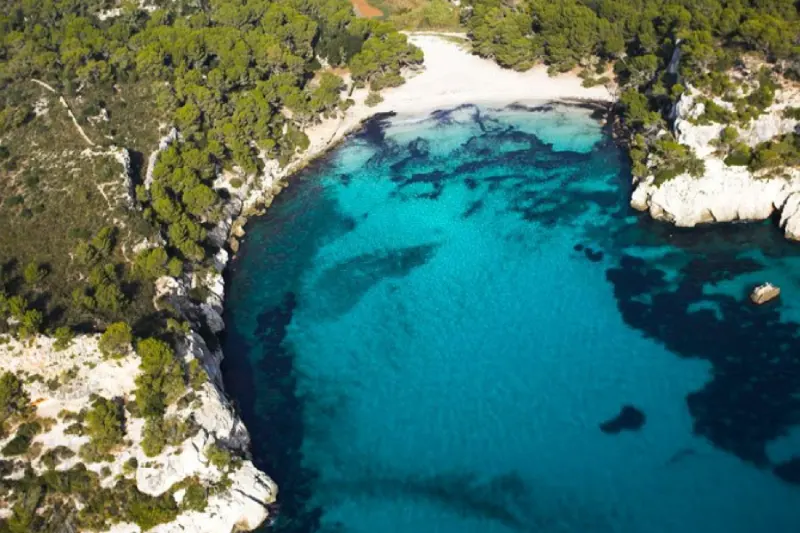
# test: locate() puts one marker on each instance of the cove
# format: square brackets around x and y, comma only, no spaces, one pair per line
[454,323]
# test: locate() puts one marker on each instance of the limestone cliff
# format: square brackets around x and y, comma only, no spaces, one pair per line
[724,193]
[64,381]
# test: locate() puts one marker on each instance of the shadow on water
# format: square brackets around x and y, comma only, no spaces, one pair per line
[266,392]
[507,499]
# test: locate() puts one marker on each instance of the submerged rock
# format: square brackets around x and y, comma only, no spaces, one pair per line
[629,418]
[764,293]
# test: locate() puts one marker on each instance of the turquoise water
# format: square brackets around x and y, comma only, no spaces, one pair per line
[435,328]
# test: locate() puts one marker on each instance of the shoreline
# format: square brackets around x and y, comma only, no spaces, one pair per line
[443,88]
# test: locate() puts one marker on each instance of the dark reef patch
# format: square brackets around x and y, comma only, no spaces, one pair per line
[789,471]
[595,256]
[629,419]
[271,407]
[473,208]
[374,129]
[343,284]
[506,499]
[752,397]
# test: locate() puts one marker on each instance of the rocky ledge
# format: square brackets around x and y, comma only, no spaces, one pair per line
[66,380]
[725,193]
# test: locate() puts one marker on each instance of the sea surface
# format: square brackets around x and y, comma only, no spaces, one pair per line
[456,324]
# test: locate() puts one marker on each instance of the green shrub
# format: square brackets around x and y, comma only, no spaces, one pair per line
[199,294]
[154,438]
[161,381]
[197,374]
[148,511]
[153,263]
[792,112]
[52,457]
[219,456]
[13,201]
[130,466]
[116,340]
[675,159]
[373,99]
[729,135]
[13,398]
[105,424]
[779,152]
[739,155]
[22,440]
[715,113]
[33,273]
[195,497]
[64,336]
[30,323]
[75,428]
[161,432]
[236,183]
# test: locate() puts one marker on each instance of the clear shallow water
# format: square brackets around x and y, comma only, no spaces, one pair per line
[429,327]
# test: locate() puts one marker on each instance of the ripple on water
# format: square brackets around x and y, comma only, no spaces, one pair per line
[455,324]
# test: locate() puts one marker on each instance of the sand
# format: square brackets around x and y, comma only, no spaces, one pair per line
[451,76]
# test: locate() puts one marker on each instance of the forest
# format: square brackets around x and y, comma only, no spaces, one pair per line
[81,80]
[239,79]
[633,42]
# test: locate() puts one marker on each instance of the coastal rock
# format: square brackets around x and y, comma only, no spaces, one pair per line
[242,506]
[764,293]
[723,193]
[124,157]
[790,217]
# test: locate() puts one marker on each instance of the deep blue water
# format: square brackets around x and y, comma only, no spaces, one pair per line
[435,328]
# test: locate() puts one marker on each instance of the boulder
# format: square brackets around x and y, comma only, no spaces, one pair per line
[764,293]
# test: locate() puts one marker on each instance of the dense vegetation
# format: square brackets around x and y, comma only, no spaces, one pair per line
[84,237]
[239,79]
[421,14]
[638,38]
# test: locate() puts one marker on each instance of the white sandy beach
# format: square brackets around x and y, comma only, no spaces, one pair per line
[451,76]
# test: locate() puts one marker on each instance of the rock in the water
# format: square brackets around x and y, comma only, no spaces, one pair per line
[764,293]
[629,418]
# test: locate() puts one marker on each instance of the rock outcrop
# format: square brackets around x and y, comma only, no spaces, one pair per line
[764,293]
[82,372]
[724,193]
[163,144]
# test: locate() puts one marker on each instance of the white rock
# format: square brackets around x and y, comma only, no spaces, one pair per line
[163,144]
[790,217]
[724,193]
[764,293]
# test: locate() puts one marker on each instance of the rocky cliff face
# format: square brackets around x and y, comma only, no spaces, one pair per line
[81,372]
[724,193]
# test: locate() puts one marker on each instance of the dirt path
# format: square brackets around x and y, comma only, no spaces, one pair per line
[365,9]
[69,111]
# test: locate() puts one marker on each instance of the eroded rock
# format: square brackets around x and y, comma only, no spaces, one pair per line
[764,293]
